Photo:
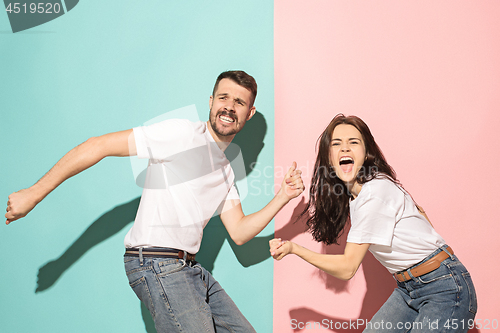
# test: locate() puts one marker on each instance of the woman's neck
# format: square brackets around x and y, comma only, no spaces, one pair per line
[354,189]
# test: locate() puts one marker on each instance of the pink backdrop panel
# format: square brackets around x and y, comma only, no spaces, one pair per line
[425,76]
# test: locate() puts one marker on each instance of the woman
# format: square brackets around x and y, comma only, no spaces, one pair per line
[352,180]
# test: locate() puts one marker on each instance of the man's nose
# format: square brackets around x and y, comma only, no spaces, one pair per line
[229,105]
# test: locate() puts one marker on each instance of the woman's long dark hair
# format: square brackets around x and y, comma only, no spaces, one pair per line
[328,206]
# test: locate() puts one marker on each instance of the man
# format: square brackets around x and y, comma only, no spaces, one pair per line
[187,180]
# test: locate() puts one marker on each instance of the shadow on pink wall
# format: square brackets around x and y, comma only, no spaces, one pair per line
[379,283]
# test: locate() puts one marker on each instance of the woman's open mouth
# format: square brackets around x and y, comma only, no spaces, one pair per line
[346,164]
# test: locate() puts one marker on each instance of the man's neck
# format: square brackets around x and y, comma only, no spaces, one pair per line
[222,141]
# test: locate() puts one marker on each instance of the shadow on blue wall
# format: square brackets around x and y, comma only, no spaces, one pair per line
[251,141]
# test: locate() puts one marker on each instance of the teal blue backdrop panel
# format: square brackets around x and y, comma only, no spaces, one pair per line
[105,66]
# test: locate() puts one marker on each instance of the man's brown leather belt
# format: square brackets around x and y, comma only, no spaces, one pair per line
[160,252]
[425,267]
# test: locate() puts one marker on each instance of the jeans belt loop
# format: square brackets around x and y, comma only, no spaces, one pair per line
[140,256]
[445,249]
[414,278]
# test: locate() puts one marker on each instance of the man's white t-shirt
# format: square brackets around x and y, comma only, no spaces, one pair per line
[188,178]
[385,216]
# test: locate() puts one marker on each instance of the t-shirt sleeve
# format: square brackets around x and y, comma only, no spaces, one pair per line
[230,201]
[374,217]
[161,140]
[233,194]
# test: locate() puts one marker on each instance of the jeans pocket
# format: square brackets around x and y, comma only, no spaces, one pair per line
[471,292]
[439,281]
[127,259]
[170,266]
[440,273]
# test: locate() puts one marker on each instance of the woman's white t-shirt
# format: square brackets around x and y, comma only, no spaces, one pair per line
[385,216]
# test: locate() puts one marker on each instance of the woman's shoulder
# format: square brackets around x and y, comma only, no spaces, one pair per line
[379,192]
[382,186]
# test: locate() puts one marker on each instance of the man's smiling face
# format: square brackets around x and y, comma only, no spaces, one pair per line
[230,109]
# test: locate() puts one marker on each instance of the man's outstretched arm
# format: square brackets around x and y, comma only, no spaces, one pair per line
[75,161]
[242,228]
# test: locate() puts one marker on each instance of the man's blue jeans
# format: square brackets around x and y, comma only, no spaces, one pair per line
[443,300]
[182,296]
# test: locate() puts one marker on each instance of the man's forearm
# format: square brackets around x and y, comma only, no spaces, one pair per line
[242,228]
[75,161]
[251,225]
[83,157]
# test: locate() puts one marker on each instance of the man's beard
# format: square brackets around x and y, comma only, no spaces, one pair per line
[224,132]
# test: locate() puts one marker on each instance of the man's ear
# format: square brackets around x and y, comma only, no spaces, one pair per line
[210,102]
[251,113]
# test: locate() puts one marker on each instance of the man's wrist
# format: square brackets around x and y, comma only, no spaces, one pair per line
[282,198]
[38,192]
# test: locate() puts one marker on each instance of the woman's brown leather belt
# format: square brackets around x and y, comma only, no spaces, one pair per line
[425,267]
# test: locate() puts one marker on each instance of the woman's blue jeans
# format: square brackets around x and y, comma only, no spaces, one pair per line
[443,300]
[182,296]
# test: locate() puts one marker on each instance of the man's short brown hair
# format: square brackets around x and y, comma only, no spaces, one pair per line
[241,78]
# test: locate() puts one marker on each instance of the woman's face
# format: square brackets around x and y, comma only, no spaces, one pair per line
[347,152]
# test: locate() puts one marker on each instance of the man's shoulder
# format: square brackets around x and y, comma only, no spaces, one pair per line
[179,122]
[176,125]
[196,126]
